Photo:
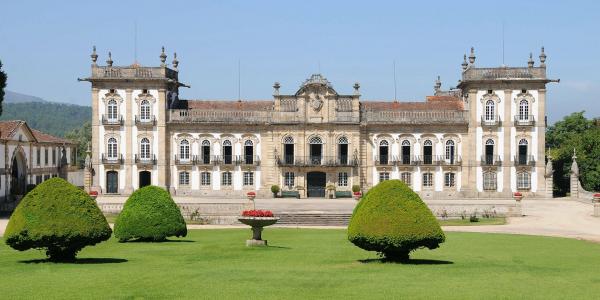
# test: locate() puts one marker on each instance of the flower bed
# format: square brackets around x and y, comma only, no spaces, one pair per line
[257,213]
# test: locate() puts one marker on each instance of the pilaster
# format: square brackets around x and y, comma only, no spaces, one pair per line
[163,142]
[129,123]
[95,139]
[540,127]
[507,125]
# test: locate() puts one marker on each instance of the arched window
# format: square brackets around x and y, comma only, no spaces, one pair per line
[523,181]
[490,110]
[205,152]
[343,150]
[112,148]
[248,152]
[428,152]
[145,110]
[523,110]
[522,152]
[450,152]
[112,110]
[384,147]
[184,150]
[315,140]
[288,150]
[489,181]
[227,152]
[405,152]
[145,148]
[489,152]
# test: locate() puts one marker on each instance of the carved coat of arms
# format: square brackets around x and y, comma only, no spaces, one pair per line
[316,101]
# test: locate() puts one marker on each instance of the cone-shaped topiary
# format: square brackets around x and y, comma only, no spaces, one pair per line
[58,217]
[393,220]
[150,214]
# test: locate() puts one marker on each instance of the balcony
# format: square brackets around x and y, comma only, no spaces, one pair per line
[118,121]
[450,161]
[427,160]
[493,122]
[186,161]
[248,160]
[423,117]
[323,161]
[206,159]
[524,160]
[407,160]
[524,121]
[112,160]
[225,159]
[145,122]
[147,161]
[491,160]
[384,160]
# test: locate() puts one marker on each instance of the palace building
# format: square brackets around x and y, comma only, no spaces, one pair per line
[483,139]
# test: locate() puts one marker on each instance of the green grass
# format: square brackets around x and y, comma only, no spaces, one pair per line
[308,264]
[466,222]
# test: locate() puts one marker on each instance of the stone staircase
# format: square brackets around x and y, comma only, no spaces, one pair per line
[313,219]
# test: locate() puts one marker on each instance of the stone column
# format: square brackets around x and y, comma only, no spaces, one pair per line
[469,159]
[163,142]
[507,124]
[131,143]
[541,142]
[96,138]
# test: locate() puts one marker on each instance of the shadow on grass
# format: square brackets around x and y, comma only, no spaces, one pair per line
[158,242]
[407,262]
[79,261]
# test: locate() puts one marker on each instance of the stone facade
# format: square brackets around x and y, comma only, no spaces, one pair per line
[483,139]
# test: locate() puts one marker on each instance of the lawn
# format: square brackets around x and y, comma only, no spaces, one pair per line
[308,264]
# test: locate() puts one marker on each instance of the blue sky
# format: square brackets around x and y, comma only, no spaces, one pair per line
[45,46]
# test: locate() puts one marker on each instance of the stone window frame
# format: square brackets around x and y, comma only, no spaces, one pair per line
[526,137]
[139,99]
[107,138]
[520,179]
[248,181]
[289,180]
[431,180]
[383,176]
[453,176]
[179,138]
[141,137]
[434,144]
[211,139]
[223,181]
[495,139]
[184,178]
[343,179]
[496,101]
[406,177]
[117,98]
[205,179]
[412,140]
[490,187]
[523,96]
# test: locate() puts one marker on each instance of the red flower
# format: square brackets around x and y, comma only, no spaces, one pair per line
[257,213]
[251,194]
[93,193]
[357,193]
[597,195]
[518,194]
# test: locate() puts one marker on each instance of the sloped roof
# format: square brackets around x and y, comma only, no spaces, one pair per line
[46,138]
[8,129]
[227,105]
[432,103]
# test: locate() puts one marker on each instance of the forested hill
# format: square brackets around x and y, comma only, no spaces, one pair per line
[49,117]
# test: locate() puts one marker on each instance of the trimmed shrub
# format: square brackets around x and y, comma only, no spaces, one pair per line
[355,188]
[58,217]
[149,214]
[393,220]
[275,189]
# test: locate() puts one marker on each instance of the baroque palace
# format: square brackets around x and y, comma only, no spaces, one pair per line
[483,139]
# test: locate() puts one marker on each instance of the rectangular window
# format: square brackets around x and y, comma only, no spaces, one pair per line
[38,179]
[449,180]
[205,178]
[248,178]
[489,181]
[523,181]
[427,179]
[46,177]
[53,156]
[288,179]
[184,178]
[46,156]
[343,179]
[383,176]
[226,178]
[38,156]
[406,177]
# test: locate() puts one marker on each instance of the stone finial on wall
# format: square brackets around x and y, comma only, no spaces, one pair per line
[109,61]
[472,56]
[464,63]
[276,87]
[163,57]
[530,62]
[94,56]
[574,180]
[175,61]
[543,58]
[438,84]
[356,88]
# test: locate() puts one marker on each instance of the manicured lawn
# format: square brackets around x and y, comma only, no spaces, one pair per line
[308,264]
[466,222]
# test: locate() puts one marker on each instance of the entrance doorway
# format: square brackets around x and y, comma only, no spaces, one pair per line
[145,178]
[112,182]
[18,180]
[315,182]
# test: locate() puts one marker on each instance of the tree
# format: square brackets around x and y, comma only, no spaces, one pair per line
[149,214]
[58,217]
[3,78]
[82,136]
[393,220]
[575,132]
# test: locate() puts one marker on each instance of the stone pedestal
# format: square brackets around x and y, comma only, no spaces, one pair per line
[256,243]
[596,201]
[549,187]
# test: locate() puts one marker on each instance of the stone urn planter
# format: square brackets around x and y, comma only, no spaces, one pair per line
[94,194]
[596,198]
[518,196]
[357,195]
[257,219]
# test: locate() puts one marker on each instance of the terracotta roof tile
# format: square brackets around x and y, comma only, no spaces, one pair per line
[46,138]
[433,104]
[7,128]
[227,105]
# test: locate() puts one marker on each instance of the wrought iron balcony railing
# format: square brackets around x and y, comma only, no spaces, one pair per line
[385,160]
[112,160]
[427,160]
[249,160]
[491,122]
[524,160]
[146,121]
[118,121]
[526,120]
[450,161]
[185,160]
[315,160]
[407,160]
[491,160]
[145,160]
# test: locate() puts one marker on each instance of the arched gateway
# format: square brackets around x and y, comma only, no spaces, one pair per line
[18,173]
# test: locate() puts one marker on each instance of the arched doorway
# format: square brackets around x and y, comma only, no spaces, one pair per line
[112,182]
[315,183]
[18,174]
[145,178]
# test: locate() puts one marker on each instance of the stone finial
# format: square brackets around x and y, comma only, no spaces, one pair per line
[163,57]
[438,84]
[543,58]
[276,87]
[574,166]
[464,63]
[530,62]
[94,56]
[109,61]
[549,168]
[472,56]
[356,87]
[175,61]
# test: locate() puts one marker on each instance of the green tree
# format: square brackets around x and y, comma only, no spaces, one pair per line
[577,132]
[3,78]
[82,136]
